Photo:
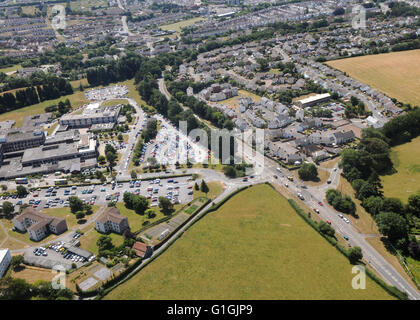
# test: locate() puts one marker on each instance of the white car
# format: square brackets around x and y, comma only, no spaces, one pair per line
[340,215]
[346,220]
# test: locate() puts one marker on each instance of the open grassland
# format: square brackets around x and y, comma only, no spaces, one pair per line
[406,181]
[254,247]
[181,24]
[395,74]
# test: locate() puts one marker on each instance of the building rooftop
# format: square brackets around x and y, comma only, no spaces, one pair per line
[3,253]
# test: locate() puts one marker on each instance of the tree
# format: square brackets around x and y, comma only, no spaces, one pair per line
[414,249]
[196,187]
[75,204]
[166,205]
[111,158]
[21,191]
[8,208]
[414,204]
[140,204]
[204,188]
[133,174]
[373,205]
[14,289]
[80,215]
[355,254]
[392,225]
[230,171]
[308,171]
[128,199]
[101,159]
[16,261]
[325,228]
[392,205]
[104,243]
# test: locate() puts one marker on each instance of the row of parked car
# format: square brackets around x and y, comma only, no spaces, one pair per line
[59,247]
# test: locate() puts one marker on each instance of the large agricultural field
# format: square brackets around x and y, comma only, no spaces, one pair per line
[395,74]
[406,181]
[254,247]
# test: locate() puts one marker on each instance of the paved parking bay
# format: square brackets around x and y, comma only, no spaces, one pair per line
[179,189]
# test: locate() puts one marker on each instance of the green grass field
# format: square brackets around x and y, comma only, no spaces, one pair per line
[11,69]
[407,179]
[254,247]
[181,24]
[396,74]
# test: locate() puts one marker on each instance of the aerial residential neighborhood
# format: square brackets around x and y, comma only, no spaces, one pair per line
[209,150]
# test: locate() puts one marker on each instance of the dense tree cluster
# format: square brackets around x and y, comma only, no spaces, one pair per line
[52,88]
[308,171]
[19,289]
[339,202]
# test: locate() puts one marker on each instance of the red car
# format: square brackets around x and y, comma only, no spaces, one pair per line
[328,221]
[320,203]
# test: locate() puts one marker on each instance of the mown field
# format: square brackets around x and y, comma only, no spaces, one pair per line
[406,180]
[254,247]
[177,26]
[395,74]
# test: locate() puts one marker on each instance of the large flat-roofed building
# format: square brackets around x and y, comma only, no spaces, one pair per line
[16,141]
[91,115]
[5,259]
[112,221]
[39,225]
[67,151]
[313,100]
[52,153]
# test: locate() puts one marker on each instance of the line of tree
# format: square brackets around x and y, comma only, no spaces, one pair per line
[340,203]
[32,95]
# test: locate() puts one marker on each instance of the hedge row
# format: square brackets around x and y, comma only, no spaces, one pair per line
[394,291]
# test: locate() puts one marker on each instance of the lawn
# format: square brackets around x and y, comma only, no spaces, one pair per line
[254,247]
[181,24]
[90,237]
[136,221]
[406,181]
[396,74]
[66,214]
[215,188]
